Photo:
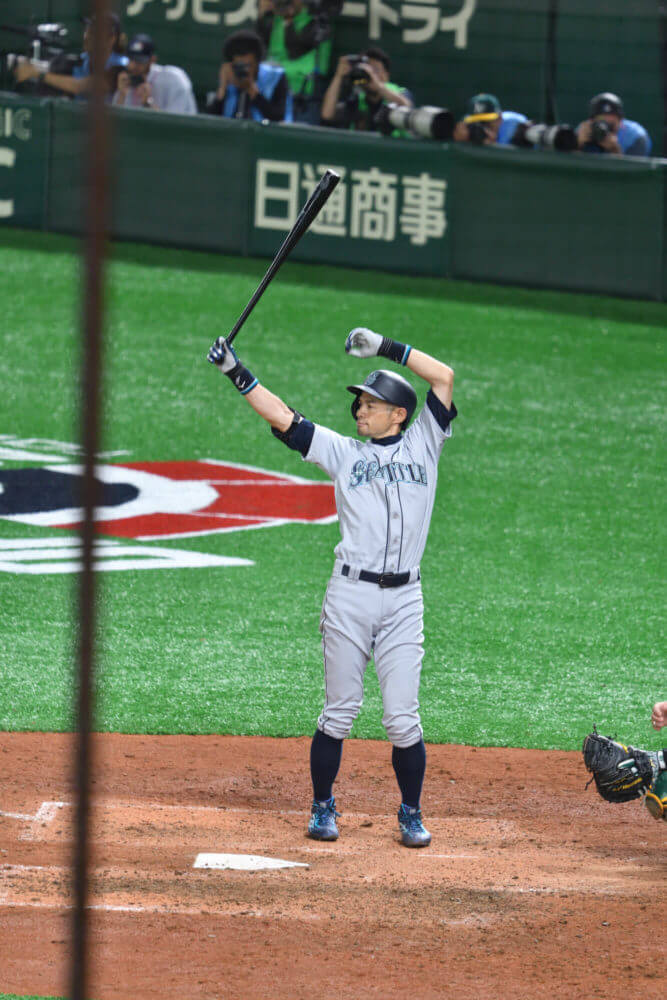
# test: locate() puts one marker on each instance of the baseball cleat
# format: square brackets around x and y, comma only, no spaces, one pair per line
[322,823]
[413,831]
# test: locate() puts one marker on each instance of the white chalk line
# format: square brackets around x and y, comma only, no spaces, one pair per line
[171,911]
[44,815]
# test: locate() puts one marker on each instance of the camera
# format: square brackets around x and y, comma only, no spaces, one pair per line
[241,70]
[477,133]
[45,48]
[358,75]
[327,8]
[136,79]
[427,122]
[560,137]
[600,129]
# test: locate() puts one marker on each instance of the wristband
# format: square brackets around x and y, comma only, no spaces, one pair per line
[243,379]
[395,351]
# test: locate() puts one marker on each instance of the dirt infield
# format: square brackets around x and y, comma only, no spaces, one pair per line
[532,887]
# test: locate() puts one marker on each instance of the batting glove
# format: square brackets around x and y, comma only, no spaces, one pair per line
[364,343]
[223,355]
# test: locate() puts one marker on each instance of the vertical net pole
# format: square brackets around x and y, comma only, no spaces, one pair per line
[93,306]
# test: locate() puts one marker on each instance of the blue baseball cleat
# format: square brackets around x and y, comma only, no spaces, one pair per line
[322,823]
[413,831]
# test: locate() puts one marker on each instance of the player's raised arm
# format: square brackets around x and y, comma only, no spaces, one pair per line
[269,406]
[364,343]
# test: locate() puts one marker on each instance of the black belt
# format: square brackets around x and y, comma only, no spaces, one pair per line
[382,579]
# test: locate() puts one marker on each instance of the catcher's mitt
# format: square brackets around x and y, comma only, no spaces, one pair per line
[620,772]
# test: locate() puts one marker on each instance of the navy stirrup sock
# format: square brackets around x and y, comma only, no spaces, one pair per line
[410,767]
[325,755]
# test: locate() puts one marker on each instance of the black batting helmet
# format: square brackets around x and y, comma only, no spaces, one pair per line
[388,386]
[606,104]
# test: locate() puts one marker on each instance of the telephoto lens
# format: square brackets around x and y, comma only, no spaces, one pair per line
[560,137]
[427,122]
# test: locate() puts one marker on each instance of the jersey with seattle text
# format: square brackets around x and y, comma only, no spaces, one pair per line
[385,490]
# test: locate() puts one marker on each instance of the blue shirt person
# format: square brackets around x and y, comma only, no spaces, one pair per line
[249,87]
[607,130]
[486,124]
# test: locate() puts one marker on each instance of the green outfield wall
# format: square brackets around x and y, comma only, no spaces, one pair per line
[541,57]
[551,220]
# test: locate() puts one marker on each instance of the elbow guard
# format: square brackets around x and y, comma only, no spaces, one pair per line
[298,435]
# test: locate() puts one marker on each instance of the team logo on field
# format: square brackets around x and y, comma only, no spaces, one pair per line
[160,500]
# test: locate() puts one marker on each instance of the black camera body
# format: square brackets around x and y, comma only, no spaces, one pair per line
[358,75]
[241,70]
[600,129]
[326,8]
[478,133]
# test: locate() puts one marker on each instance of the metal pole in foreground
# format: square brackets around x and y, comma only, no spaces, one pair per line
[93,263]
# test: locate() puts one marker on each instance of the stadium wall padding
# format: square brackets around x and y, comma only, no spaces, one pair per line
[555,220]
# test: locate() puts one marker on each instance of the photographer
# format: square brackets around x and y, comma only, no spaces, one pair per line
[359,86]
[486,124]
[607,131]
[298,38]
[80,81]
[145,84]
[249,87]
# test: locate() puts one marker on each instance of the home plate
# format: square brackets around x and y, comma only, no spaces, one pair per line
[244,862]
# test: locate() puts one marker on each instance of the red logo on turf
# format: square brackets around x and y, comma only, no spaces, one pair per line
[151,500]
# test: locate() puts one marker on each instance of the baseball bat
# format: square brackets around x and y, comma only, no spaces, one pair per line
[304,219]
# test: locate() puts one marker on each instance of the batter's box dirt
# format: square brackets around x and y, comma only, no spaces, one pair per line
[528,894]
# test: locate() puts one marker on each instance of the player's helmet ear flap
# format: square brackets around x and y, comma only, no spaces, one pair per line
[391,388]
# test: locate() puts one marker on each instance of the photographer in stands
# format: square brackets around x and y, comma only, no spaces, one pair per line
[249,87]
[358,88]
[79,83]
[298,38]
[145,84]
[606,130]
[486,124]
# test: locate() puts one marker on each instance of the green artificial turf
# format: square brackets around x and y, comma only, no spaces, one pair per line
[542,575]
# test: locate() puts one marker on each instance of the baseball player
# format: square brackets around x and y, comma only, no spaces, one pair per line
[384,487]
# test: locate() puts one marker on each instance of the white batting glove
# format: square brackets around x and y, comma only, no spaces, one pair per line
[223,356]
[362,342]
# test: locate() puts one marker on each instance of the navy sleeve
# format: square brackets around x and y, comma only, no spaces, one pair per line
[439,410]
[298,437]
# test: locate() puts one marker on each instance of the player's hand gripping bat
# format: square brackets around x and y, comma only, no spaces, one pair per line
[305,217]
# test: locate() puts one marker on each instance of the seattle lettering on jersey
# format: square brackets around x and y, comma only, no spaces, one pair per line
[393,472]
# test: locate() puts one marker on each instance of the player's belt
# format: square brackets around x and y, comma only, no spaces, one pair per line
[382,579]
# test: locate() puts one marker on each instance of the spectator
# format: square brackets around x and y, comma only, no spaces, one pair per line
[79,83]
[486,124]
[249,87]
[358,88]
[606,130]
[145,84]
[300,42]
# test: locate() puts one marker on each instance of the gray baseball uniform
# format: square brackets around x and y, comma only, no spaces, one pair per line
[384,496]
